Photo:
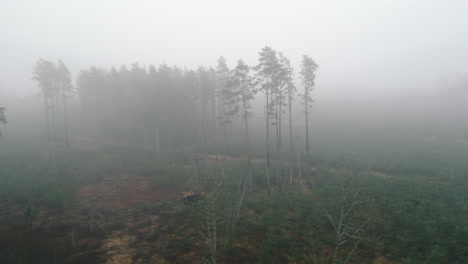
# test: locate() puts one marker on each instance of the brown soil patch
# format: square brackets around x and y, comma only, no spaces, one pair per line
[126,212]
[122,193]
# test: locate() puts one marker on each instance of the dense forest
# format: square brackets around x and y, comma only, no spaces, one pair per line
[168,108]
[217,165]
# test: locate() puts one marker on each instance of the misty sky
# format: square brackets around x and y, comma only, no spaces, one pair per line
[364,48]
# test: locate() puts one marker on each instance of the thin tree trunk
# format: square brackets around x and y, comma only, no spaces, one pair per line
[145,138]
[120,114]
[65,123]
[157,139]
[239,202]
[307,131]
[268,137]
[277,138]
[213,117]
[204,124]
[291,149]
[278,124]
[57,116]
[54,124]
[299,167]
[224,148]
[170,134]
[224,134]
[308,162]
[82,124]
[249,164]
[48,126]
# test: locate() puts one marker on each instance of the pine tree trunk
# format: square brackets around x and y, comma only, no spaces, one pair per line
[213,117]
[224,145]
[299,168]
[291,149]
[145,138]
[157,135]
[278,123]
[54,124]
[48,127]
[308,162]
[170,135]
[82,124]
[277,139]
[268,137]
[224,133]
[65,123]
[57,116]
[249,164]
[307,133]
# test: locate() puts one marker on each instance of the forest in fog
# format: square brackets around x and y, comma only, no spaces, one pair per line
[217,165]
[226,132]
[168,108]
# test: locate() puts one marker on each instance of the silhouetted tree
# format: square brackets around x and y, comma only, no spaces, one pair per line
[244,84]
[280,81]
[266,71]
[44,74]
[291,90]
[308,68]
[66,89]
[227,98]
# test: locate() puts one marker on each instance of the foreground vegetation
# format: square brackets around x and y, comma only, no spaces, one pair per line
[186,207]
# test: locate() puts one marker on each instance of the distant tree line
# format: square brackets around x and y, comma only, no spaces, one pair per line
[168,107]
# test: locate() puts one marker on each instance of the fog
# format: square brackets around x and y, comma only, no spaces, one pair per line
[365,49]
[212,131]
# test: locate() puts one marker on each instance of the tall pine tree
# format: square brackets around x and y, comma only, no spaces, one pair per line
[267,69]
[308,68]
[243,82]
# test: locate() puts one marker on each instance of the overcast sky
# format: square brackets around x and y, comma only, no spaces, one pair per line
[364,48]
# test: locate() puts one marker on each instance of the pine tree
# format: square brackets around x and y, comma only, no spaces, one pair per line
[227,98]
[280,80]
[290,91]
[44,74]
[66,89]
[266,71]
[244,84]
[308,68]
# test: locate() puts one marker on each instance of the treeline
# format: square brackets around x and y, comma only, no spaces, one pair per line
[162,108]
